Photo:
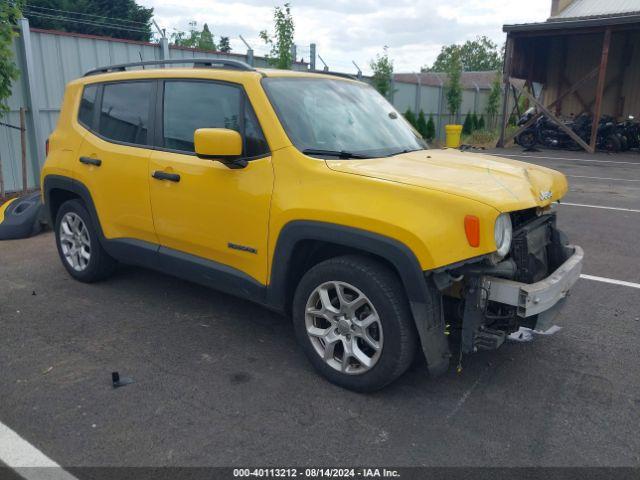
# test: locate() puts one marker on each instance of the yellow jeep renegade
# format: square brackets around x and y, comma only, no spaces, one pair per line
[309,194]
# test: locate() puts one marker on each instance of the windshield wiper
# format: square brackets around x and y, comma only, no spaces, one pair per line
[406,151]
[333,153]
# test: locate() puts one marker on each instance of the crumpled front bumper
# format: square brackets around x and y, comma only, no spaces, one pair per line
[540,297]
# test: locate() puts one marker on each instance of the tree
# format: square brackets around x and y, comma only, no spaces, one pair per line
[493,101]
[454,87]
[421,124]
[474,122]
[410,117]
[481,125]
[282,39]
[205,41]
[382,68]
[9,15]
[467,126]
[479,55]
[112,18]
[431,129]
[194,38]
[224,45]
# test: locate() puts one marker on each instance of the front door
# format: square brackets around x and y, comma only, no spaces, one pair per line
[113,160]
[201,207]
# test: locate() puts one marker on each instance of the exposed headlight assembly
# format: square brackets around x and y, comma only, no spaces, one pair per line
[503,232]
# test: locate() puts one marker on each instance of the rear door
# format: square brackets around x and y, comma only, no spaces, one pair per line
[113,160]
[208,210]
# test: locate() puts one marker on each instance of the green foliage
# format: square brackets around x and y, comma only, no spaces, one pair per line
[121,18]
[9,15]
[454,87]
[194,38]
[481,125]
[493,102]
[467,126]
[474,122]
[282,40]
[411,117]
[382,68]
[431,129]
[421,124]
[479,55]
[224,45]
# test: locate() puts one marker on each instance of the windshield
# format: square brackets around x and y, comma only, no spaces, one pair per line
[339,116]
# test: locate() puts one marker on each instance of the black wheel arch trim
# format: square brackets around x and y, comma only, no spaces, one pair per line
[434,342]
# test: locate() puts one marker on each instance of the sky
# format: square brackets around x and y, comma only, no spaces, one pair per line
[356,30]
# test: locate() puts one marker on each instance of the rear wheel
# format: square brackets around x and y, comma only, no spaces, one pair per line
[353,322]
[78,244]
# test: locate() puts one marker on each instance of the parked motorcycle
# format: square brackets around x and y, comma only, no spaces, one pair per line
[547,133]
[544,132]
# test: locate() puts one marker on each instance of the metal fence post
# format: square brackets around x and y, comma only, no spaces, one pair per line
[312,56]
[33,100]
[164,49]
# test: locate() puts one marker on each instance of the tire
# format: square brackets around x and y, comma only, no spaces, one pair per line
[79,245]
[527,139]
[372,294]
[611,143]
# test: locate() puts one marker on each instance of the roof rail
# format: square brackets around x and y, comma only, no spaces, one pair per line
[197,63]
[335,74]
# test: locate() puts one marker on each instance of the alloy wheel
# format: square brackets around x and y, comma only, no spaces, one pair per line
[344,327]
[74,241]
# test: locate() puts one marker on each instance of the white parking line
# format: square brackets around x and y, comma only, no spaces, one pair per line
[562,158]
[600,206]
[610,280]
[602,178]
[26,460]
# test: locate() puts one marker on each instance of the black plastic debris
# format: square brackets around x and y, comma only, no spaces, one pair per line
[118,381]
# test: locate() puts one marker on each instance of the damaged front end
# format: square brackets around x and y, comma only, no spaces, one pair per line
[485,300]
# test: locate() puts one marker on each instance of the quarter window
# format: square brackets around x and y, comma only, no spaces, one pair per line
[124,116]
[189,106]
[87,105]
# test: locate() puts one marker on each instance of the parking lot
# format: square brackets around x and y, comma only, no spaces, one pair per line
[220,381]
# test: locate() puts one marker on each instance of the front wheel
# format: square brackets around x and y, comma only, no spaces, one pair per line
[352,319]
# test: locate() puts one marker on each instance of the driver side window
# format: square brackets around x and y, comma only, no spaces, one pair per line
[190,105]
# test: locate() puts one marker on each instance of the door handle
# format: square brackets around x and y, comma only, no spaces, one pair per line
[172,177]
[91,161]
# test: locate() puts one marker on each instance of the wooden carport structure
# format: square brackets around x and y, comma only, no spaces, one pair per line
[585,65]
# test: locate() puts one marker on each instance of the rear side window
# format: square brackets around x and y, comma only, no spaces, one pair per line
[87,105]
[124,114]
[192,105]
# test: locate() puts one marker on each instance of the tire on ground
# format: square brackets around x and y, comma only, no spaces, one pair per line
[385,291]
[100,265]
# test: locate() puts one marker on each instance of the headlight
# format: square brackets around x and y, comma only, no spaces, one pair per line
[503,233]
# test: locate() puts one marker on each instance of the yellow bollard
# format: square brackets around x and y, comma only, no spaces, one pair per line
[453,133]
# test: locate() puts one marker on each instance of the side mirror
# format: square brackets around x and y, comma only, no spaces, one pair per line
[219,144]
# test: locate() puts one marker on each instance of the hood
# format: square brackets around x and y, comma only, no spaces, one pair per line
[506,185]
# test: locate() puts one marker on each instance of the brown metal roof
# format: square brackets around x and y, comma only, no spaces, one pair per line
[469,80]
